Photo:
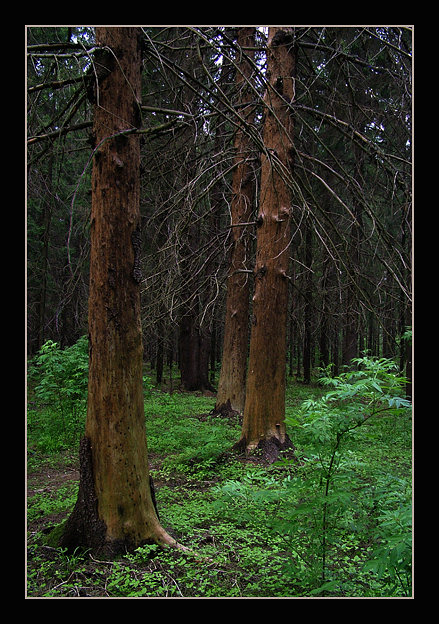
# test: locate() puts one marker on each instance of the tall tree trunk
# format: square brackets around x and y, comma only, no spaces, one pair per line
[115,510]
[189,346]
[307,363]
[264,413]
[192,343]
[231,384]
[351,311]
[324,321]
[46,217]
[160,352]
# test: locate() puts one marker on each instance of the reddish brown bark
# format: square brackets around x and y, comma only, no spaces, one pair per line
[115,511]
[264,412]
[231,385]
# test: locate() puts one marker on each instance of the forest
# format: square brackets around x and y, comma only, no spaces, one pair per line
[219,312]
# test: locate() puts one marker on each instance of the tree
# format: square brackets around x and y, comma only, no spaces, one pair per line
[231,385]
[115,509]
[264,412]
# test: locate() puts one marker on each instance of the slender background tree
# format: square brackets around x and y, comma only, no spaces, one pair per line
[232,379]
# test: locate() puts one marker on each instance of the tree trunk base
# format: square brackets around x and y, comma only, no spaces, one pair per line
[225,410]
[84,528]
[267,450]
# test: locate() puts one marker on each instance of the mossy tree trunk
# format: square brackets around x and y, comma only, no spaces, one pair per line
[115,510]
[264,413]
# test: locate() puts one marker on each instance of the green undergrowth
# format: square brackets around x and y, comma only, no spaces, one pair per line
[335,521]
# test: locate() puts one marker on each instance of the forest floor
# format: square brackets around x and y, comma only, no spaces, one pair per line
[237,515]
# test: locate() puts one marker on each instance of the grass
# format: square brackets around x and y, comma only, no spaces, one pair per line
[256,529]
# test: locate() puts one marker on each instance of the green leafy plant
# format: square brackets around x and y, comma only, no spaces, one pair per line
[369,390]
[59,378]
[391,557]
[323,504]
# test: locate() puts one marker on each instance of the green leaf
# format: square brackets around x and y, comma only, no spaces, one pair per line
[328,586]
